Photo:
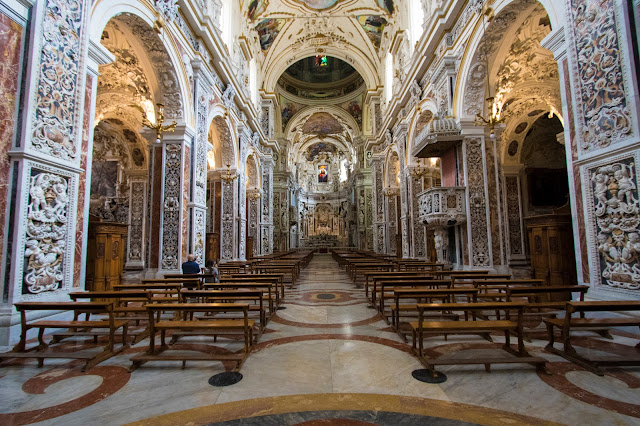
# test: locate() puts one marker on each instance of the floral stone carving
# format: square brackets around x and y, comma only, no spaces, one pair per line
[46,233]
[617,219]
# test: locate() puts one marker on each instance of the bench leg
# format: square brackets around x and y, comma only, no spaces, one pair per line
[42,345]
[552,337]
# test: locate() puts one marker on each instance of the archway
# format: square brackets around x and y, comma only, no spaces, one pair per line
[124,161]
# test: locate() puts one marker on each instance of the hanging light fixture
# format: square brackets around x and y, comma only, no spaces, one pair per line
[159,126]
[228,176]
[493,118]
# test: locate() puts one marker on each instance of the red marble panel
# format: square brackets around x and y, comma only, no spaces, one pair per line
[10,48]
[569,118]
[493,205]
[448,168]
[156,206]
[86,123]
[185,202]
[584,254]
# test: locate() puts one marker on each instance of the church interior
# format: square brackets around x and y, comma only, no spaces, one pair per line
[403,212]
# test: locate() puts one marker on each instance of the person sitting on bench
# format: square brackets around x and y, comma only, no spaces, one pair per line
[190,266]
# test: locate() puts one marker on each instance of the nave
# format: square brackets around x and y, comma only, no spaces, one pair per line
[326,356]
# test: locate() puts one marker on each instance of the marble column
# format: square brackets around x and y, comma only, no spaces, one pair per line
[478,208]
[418,246]
[203,88]
[229,229]
[169,171]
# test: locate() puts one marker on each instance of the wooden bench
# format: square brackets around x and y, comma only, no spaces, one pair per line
[278,277]
[278,287]
[600,325]
[268,288]
[507,326]
[385,289]
[445,295]
[468,280]
[255,298]
[209,327]
[191,283]
[76,327]
[370,276]
[496,290]
[128,306]
[160,292]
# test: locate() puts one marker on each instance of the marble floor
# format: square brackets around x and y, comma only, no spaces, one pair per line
[327,358]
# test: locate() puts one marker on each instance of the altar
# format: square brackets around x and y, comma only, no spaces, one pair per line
[320,241]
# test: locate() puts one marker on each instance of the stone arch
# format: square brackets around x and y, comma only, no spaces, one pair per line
[222,138]
[162,60]
[302,115]
[509,16]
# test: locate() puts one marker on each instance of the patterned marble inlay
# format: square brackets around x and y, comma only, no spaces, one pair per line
[10,48]
[513,214]
[477,203]
[171,225]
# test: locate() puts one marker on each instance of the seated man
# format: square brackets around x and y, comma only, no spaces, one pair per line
[190,266]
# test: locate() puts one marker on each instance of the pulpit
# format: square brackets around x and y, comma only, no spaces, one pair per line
[105,254]
[551,248]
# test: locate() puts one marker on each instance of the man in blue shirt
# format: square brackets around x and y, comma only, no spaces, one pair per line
[190,266]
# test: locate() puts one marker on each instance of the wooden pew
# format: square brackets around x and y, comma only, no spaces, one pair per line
[482,327]
[234,296]
[268,288]
[193,283]
[79,327]
[123,309]
[467,280]
[540,304]
[598,324]
[496,290]
[369,276]
[160,292]
[278,287]
[376,276]
[385,289]
[279,278]
[445,295]
[217,326]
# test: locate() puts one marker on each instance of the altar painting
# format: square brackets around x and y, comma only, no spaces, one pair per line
[323,176]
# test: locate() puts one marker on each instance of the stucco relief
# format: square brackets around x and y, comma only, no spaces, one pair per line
[617,211]
[46,232]
[171,209]
[604,116]
[58,81]
[477,203]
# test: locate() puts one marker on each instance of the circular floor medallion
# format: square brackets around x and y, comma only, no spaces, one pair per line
[425,375]
[227,378]
[326,296]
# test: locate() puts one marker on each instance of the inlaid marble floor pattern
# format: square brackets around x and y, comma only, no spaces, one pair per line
[329,358]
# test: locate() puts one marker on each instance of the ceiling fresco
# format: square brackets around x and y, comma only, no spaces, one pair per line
[322,123]
[268,30]
[313,150]
[374,27]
